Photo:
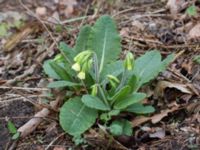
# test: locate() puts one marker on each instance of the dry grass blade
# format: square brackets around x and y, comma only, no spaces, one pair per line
[18,37]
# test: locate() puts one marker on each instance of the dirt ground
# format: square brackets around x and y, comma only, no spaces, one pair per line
[30,34]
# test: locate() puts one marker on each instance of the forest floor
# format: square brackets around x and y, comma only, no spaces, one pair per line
[29,34]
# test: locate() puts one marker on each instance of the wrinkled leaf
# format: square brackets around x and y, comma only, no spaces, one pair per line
[139,108]
[83,39]
[94,102]
[68,52]
[75,118]
[162,85]
[105,41]
[132,82]
[122,93]
[60,71]
[132,99]
[121,127]
[49,70]
[149,65]
[115,69]
[60,84]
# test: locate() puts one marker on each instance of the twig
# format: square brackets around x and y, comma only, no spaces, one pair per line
[24,88]
[33,14]
[53,141]
[32,124]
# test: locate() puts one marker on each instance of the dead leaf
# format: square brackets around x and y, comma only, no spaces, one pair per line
[41,11]
[194,33]
[139,120]
[69,6]
[154,119]
[138,25]
[18,37]
[54,18]
[59,148]
[101,137]
[193,107]
[158,117]
[175,6]
[159,133]
[162,85]
[124,32]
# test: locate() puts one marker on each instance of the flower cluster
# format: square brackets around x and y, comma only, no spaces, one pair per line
[83,62]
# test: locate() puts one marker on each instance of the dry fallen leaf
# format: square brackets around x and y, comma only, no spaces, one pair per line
[41,11]
[59,148]
[194,33]
[159,133]
[158,117]
[154,119]
[139,120]
[69,6]
[175,6]
[162,85]
[22,34]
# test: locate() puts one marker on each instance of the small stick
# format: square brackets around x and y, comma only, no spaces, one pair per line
[24,88]
[53,141]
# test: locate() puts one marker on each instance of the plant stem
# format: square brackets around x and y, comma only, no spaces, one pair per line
[96,68]
[83,83]
[122,80]
[103,96]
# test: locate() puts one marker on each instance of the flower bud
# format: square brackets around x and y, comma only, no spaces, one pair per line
[129,60]
[82,56]
[113,84]
[84,67]
[76,67]
[113,78]
[58,58]
[89,63]
[81,75]
[94,89]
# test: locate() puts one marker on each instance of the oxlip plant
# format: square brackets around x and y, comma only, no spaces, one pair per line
[98,84]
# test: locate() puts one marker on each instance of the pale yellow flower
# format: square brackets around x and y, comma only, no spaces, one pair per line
[76,67]
[81,75]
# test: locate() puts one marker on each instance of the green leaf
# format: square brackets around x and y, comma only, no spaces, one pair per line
[11,127]
[149,65]
[75,118]
[108,115]
[3,29]
[121,127]
[197,59]
[115,69]
[105,41]
[132,99]
[49,70]
[123,92]
[192,10]
[132,82]
[166,62]
[16,136]
[60,84]
[94,102]
[139,108]
[68,52]
[60,71]
[83,39]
